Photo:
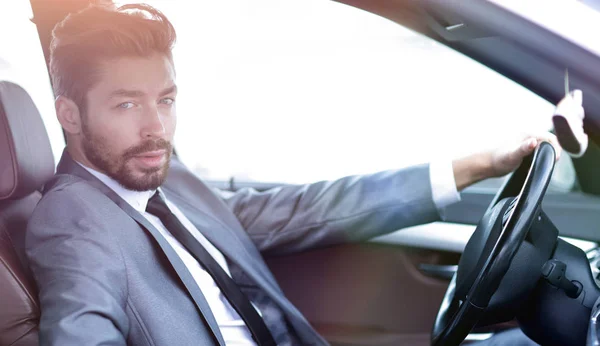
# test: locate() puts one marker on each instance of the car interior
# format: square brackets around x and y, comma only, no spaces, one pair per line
[415,286]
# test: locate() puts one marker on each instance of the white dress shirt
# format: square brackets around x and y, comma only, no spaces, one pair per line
[443,185]
[234,330]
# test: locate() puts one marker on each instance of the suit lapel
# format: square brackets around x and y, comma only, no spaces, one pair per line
[68,166]
[218,234]
[182,271]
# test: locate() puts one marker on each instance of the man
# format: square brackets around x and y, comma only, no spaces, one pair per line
[128,246]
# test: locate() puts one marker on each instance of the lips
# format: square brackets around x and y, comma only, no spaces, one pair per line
[151,159]
[152,153]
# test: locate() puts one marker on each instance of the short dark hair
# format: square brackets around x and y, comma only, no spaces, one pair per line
[100,32]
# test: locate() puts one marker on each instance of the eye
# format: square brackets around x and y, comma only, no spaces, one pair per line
[126,105]
[167,101]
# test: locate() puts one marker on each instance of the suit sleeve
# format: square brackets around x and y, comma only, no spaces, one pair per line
[80,273]
[295,218]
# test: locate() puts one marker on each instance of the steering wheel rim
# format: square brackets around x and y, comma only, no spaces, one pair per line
[456,318]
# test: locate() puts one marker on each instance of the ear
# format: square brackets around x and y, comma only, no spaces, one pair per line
[68,115]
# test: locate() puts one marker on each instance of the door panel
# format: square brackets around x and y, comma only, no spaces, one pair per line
[365,294]
[378,293]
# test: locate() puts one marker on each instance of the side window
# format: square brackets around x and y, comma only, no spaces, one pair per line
[299,91]
[22,62]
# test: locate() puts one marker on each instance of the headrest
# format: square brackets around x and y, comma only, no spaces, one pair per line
[26,160]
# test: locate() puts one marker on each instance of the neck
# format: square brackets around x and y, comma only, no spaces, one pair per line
[77,154]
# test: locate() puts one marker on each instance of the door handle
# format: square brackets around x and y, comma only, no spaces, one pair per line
[438,271]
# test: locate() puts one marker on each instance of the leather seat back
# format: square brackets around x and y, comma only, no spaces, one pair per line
[26,163]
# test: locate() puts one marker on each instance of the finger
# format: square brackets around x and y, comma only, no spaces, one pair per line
[557,148]
[550,138]
[527,146]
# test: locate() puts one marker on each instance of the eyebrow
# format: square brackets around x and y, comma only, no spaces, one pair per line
[138,93]
[169,90]
[126,93]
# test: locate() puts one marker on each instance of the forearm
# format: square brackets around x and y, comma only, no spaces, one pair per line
[472,169]
[299,217]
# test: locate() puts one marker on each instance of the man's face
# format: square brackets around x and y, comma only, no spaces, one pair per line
[130,119]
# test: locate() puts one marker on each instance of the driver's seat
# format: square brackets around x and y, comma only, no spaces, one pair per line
[26,163]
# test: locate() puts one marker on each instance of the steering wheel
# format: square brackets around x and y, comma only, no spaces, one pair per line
[491,249]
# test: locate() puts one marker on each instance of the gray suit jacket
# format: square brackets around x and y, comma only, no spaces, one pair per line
[107,276]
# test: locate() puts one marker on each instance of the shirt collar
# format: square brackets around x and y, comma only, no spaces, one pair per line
[137,199]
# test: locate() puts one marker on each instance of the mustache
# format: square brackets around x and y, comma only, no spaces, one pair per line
[151,145]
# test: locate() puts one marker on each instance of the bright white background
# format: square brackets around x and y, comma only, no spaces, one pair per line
[22,62]
[297,91]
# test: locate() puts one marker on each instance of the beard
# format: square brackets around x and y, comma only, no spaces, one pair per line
[118,167]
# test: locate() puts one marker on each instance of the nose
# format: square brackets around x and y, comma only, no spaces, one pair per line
[153,124]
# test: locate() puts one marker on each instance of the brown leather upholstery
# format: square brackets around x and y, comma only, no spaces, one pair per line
[26,162]
[19,312]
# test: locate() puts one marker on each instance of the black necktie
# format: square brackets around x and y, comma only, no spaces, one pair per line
[241,304]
